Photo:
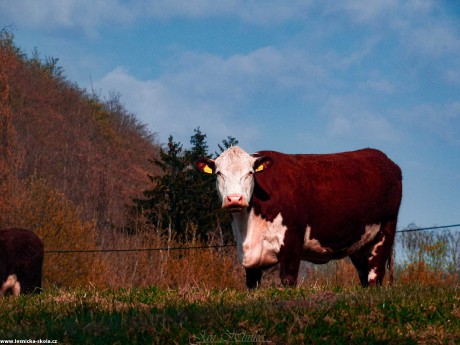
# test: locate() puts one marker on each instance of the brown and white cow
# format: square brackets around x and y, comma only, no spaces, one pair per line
[21,260]
[313,207]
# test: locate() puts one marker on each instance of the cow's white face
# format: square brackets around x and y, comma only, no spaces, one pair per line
[235,171]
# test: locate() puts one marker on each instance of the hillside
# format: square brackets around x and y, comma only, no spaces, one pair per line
[71,166]
[92,152]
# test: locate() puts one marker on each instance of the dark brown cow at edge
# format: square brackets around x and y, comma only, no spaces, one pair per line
[21,260]
[287,208]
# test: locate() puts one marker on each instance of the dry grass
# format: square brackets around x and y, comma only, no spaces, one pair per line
[213,268]
[218,268]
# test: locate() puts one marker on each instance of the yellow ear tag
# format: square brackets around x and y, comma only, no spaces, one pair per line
[259,168]
[207,169]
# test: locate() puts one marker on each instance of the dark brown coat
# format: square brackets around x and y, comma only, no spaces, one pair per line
[337,196]
[21,260]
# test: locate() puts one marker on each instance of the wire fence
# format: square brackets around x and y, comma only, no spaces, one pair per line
[137,249]
[57,251]
[430,228]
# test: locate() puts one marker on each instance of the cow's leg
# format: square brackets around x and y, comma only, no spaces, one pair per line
[253,277]
[17,288]
[289,270]
[31,278]
[381,255]
[371,260]
[360,262]
[290,260]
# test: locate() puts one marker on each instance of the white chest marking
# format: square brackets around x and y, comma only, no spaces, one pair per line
[258,240]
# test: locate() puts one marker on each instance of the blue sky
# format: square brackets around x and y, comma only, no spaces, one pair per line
[293,76]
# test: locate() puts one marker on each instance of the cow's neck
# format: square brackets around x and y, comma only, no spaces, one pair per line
[258,240]
[239,227]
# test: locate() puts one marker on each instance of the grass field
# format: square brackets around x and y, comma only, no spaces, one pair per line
[404,314]
[177,297]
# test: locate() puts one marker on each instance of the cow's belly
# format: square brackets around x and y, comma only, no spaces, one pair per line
[314,252]
[259,241]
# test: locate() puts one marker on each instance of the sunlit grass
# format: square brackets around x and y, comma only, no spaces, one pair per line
[402,314]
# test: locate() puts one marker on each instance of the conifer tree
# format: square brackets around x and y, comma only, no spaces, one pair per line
[226,144]
[163,205]
[201,196]
[182,198]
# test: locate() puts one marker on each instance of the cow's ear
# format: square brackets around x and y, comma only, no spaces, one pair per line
[205,165]
[262,164]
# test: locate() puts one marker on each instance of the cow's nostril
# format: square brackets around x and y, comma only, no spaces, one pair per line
[235,200]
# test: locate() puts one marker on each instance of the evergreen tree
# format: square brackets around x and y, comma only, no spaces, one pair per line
[183,198]
[201,197]
[163,205]
[199,146]
[226,144]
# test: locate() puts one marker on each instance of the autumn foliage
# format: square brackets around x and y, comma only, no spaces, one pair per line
[94,152]
[70,163]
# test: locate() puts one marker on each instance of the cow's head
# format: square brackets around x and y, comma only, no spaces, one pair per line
[235,171]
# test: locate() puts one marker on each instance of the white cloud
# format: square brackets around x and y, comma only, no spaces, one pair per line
[433,40]
[381,86]
[453,76]
[255,11]
[351,118]
[365,50]
[217,93]
[267,70]
[89,15]
[167,110]
[364,11]
[81,15]
[439,120]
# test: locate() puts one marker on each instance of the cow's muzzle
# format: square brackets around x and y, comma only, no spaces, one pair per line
[235,202]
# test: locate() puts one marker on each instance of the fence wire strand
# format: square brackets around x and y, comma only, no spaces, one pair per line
[57,251]
[429,228]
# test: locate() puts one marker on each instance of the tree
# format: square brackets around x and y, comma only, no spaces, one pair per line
[226,144]
[201,199]
[183,199]
[163,205]
[10,152]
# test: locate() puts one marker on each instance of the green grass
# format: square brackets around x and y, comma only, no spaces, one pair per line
[404,314]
